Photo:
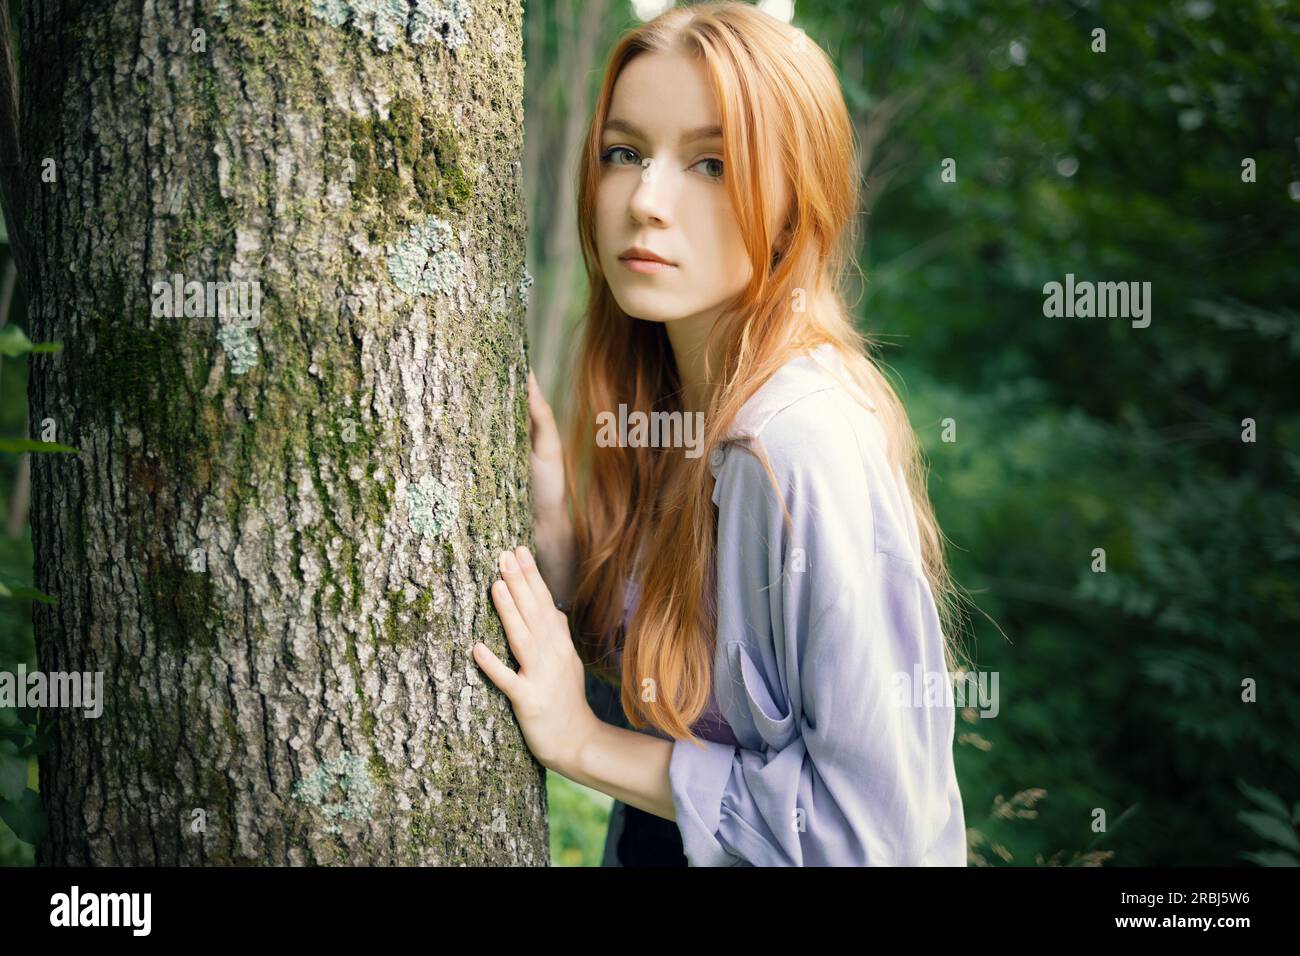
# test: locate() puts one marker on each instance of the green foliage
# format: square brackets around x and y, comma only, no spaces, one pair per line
[1275,823]
[21,591]
[579,818]
[13,342]
[23,734]
[27,444]
[21,737]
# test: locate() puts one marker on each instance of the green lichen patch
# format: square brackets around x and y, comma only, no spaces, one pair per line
[341,788]
[431,506]
[426,261]
[241,349]
[389,23]
[525,283]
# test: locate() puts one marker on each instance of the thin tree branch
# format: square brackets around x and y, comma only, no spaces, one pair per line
[11,197]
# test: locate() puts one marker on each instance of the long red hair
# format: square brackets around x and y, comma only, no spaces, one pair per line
[779,97]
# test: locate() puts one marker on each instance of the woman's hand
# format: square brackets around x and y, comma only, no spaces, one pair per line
[548,692]
[546,458]
[556,553]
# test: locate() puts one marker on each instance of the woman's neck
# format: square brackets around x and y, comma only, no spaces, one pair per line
[688,338]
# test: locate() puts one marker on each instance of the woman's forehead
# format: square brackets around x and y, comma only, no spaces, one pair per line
[668,96]
[668,86]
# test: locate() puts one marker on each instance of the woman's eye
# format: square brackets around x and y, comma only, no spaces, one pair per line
[715,172]
[608,156]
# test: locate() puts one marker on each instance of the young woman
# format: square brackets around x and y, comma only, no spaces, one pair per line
[767,606]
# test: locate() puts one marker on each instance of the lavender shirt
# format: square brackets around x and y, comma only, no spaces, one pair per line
[817,628]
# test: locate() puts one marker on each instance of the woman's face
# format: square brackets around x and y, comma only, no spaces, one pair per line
[661,189]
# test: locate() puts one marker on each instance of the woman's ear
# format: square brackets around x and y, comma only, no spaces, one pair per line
[789,211]
[781,244]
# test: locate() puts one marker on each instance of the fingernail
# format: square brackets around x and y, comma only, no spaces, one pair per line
[507,561]
[525,558]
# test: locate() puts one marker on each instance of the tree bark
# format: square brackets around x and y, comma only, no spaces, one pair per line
[277,540]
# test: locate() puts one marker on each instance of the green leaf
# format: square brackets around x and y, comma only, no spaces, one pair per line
[1271,828]
[8,590]
[1265,800]
[39,744]
[27,444]
[25,817]
[14,342]
[13,772]
[1271,858]
[1114,826]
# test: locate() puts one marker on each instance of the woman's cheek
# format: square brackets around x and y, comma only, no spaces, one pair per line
[733,265]
[736,270]
[603,252]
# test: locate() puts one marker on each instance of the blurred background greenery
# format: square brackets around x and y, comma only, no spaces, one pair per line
[1122,691]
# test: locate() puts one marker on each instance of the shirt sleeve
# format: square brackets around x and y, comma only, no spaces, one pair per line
[825,632]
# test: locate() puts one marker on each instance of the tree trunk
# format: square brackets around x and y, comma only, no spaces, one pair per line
[278,538]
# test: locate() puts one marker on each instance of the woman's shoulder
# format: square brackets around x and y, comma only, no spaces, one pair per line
[824,438]
[823,427]
[830,456]
[808,405]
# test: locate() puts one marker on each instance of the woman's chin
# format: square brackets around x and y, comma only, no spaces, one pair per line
[648,308]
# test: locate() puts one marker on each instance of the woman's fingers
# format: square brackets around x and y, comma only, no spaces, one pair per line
[496,670]
[544,432]
[520,590]
[517,632]
[534,404]
[534,578]
[537,406]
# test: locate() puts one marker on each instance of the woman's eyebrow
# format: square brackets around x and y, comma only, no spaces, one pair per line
[702,132]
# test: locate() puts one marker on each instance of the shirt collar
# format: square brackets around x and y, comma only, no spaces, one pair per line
[805,373]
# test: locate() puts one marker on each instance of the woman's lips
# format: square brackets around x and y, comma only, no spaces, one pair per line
[646,266]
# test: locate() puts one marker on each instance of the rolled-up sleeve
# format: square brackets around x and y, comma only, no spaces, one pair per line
[823,629]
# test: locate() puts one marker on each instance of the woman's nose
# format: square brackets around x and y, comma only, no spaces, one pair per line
[651,200]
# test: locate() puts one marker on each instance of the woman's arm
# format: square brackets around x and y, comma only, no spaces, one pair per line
[557,551]
[630,766]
